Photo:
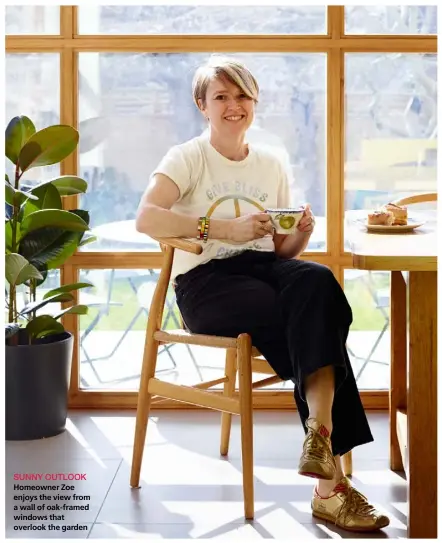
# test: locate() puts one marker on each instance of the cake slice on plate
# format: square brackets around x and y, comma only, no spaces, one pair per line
[400,213]
[381,218]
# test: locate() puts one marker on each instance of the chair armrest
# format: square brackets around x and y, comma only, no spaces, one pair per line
[183,244]
[416,199]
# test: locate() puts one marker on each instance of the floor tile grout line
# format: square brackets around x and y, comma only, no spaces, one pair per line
[104,499]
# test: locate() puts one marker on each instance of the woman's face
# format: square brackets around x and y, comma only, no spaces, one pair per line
[229,111]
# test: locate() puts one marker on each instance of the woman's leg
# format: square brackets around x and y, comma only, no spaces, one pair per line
[319,394]
[318,318]
[223,298]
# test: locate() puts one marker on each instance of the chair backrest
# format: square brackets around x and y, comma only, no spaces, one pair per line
[160,293]
[416,199]
[168,246]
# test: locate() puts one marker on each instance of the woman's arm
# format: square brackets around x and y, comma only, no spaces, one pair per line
[155,218]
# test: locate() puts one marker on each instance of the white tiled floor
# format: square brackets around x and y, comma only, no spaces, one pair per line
[188,491]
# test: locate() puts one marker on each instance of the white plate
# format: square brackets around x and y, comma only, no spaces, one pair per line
[397,229]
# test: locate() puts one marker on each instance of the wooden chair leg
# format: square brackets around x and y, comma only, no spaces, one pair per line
[244,351]
[143,407]
[229,389]
[347,463]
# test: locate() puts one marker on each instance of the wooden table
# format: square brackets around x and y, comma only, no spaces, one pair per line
[412,260]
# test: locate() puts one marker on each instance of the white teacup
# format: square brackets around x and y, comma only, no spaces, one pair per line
[285,221]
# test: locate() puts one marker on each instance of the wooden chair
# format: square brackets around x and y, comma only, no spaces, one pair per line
[416,199]
[241,357]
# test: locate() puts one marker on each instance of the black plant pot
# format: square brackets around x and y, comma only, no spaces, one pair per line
[37,384]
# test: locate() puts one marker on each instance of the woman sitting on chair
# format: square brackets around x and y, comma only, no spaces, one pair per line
[215,188]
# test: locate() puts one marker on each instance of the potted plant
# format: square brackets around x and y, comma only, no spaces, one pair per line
[39,236]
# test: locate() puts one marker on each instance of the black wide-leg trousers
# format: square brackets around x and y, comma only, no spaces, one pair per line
[298,317]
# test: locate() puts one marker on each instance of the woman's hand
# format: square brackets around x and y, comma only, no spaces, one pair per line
[248,227]
[307,222]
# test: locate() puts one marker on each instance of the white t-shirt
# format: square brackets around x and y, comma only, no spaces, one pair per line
[211,185]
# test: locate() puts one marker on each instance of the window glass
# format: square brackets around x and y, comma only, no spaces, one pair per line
[368,342]
[32,20]
[41,73]
[95,19]
[391,19]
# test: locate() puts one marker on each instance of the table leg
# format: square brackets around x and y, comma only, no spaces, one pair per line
[398,368]
[422,405]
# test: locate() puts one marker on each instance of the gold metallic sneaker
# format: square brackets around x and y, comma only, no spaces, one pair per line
[348,509]
[317,457]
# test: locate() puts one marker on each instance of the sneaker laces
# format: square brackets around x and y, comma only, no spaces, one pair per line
[355,502]
[317,446]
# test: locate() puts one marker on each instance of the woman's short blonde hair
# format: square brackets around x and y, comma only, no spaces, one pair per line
[223,67]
